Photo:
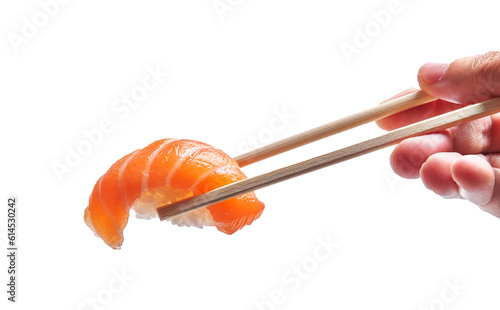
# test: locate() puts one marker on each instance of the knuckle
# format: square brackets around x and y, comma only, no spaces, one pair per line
[486,72]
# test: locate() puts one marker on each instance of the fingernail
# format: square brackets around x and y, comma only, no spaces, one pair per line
[431,72]
[463,194]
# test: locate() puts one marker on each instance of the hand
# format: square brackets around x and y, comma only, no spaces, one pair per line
[463,161]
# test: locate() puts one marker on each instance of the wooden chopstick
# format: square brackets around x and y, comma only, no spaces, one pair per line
[385,109]
[437,123]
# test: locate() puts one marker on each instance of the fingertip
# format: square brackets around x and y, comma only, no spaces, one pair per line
[433,79]
[475,178]
[409,156]
[387,123]
[416,114]
[404,163]
[467,80]
[436,174]
[431,73]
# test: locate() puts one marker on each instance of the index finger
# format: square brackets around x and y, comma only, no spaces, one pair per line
[416,114]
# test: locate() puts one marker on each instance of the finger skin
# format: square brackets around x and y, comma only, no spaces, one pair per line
[417,114]
[436,174]
[443,160]
[480,136]
[493,206]
[409,156]
[466,80]
[475,178]
[472,177]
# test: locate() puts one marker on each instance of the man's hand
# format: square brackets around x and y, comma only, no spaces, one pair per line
[463,161]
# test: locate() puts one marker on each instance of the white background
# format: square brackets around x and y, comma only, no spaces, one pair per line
[229,72]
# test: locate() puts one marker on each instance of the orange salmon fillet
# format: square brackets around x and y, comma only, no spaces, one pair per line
[171,168]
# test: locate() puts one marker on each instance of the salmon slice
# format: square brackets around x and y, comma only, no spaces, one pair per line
[164,172]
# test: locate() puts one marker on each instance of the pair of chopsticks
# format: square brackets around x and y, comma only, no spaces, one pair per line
[387,108]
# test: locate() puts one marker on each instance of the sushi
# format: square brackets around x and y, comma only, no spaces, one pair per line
[164,172]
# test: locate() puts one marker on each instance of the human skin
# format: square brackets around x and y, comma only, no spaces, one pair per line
[462,161]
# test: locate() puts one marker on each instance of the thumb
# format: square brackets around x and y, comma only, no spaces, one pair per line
[466,80]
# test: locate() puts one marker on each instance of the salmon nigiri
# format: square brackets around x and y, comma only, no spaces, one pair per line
[162,173]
